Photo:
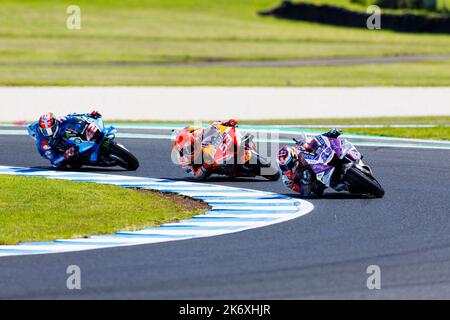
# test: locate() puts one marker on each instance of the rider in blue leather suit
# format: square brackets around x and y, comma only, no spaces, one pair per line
[51,133]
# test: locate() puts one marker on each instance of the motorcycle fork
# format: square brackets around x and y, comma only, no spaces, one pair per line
[339,170]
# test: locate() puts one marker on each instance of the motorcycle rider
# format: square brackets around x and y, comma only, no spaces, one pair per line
[51,133]
[188,147]
[296,173]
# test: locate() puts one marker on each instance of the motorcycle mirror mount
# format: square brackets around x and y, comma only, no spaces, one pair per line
[301,139]
[248,138]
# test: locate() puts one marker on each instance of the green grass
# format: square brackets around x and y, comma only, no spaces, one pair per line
[404,74]
[440,132]
[435,133]
[34,40]
[36,209]
[435,120]
[376,120]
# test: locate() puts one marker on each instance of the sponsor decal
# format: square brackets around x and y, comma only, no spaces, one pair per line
[45,146]
[91,130]
[325,155]
[317,168]
[309,156]
[336,145]
[321,141]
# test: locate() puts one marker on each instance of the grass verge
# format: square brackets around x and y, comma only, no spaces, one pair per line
[435,133]
[38,49]
[439,132]
[37,209]
[429,73]
[351,121]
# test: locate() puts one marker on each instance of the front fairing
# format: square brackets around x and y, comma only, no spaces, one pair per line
[85,148]
[318,164]
[219,143]
[349,149]
[324,151]
[32,130]
[111,131]
[91,149]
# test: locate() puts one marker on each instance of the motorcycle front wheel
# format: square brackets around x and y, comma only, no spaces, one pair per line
[360,182]
[123,157]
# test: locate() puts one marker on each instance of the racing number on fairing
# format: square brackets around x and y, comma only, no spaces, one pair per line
[326,154]
[91,130]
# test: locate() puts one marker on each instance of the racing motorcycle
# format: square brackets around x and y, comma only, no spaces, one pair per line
[227,152]
[99,149]
[337,164]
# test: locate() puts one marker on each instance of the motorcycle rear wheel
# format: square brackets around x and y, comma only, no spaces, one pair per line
[273,177]
[267,165]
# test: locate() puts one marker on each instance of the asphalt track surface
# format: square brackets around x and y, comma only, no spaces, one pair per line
[324,254]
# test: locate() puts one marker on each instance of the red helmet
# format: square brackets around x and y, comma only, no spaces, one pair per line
[185,140]
[231,123]
[48,125]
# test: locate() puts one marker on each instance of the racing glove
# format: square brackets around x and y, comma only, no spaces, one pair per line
[70,152]
[306,177]
[333,133]
[199,174]
[95,114]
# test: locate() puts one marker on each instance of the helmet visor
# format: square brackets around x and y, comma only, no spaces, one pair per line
[290,166]
[47,124]
[49,131]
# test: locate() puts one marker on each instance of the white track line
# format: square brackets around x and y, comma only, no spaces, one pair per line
[363,140]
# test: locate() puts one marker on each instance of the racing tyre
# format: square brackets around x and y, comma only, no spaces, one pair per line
[273,177]
[266,164]
[363,183]
[123,157]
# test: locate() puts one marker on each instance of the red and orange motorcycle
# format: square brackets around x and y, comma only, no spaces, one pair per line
[221,150]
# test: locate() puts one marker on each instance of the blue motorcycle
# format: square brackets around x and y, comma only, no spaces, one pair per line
[99,149]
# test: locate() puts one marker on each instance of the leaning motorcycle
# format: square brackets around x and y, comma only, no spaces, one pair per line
[337,164]
[225,151]
[96,146]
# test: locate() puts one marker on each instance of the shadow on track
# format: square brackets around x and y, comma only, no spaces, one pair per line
[219,179]
[330,196]
[83,169]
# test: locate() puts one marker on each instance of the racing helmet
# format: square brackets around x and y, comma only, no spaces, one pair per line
[48,125]
[185,141]
[231,123]
[287,159]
